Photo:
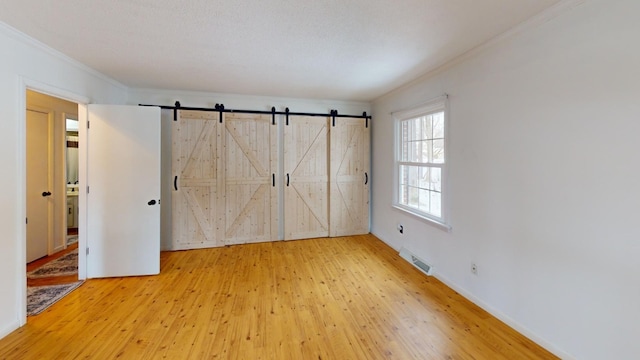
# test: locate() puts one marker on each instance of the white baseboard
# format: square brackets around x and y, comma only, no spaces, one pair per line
[393,245]
[505,319]
[13,326]
[491,310]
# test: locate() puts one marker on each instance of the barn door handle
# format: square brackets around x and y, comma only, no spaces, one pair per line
[46,193]
[287,179]
[366,178]
[151,202]
[175,182]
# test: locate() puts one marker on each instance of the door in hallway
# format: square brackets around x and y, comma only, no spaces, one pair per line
[38,185]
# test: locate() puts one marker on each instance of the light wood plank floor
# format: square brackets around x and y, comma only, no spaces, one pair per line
[340,298]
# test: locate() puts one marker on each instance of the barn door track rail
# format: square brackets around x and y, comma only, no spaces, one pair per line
[221,109]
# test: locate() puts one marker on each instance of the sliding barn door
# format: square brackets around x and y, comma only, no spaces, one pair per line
[228,174]
[196,206]
[306,193]
[251,160]
[349,177]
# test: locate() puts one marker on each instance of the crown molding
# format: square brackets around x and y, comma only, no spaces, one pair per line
[528,25]
[38,45]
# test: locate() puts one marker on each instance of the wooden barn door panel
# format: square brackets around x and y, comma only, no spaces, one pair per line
[250,158]
[306,178]
[349,177]
[225,178]
[195,169]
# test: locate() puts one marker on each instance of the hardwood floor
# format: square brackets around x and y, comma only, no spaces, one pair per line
[338,298]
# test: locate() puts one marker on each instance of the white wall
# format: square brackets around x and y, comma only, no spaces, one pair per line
[24,60]
[545,129]
[230,101]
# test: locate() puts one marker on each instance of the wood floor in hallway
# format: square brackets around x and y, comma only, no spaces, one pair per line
[338,298]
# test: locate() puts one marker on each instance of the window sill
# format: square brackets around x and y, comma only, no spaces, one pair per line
[435,223]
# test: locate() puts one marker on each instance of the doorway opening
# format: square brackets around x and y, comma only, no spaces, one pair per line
[72,138]
[51,196]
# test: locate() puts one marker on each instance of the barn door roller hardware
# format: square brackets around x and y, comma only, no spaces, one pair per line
[220,108]
[175,111]
[273,115]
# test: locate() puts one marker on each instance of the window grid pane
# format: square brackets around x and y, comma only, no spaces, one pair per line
[423,139]
[422,143]
[437,149]
[421,188]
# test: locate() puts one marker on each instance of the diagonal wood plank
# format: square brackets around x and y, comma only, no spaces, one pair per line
[313,208]
[317,141]
[257,196]
[203,140]
[352,208]
[198,213]
[246,150]
[350,148]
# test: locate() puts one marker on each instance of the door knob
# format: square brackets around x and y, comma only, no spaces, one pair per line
[152,202]
[46,193]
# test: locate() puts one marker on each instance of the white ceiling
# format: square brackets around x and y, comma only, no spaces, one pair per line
[327,49]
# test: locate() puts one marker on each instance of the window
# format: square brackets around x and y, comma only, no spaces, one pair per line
[421,161]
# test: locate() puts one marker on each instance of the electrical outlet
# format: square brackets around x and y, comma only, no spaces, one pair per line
[400,229]
[474,269]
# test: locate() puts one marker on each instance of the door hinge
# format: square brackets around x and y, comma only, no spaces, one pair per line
[87,251]
[87,189]
[88,125]
[26,220]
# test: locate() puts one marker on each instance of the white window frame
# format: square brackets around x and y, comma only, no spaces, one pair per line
[433,106]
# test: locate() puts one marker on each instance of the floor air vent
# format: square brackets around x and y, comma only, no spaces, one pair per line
[413,260]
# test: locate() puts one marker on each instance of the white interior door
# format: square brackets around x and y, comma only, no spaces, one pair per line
[38,186]
[123,210]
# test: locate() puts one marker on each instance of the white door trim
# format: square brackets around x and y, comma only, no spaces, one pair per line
[25,83]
